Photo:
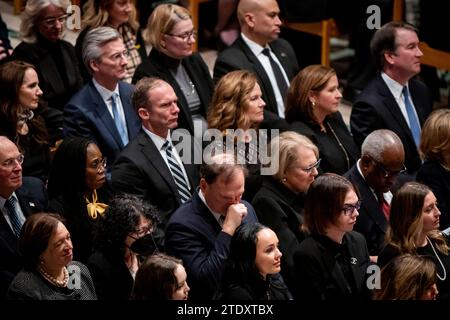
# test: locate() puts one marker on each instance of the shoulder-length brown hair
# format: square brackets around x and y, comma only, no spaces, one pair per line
[435,140]
[230,101]
[311,79]
[324,201]
[11,78]
[405,220]
[96,14]
[34,237]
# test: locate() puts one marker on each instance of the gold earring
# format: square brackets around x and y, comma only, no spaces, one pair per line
[313,104]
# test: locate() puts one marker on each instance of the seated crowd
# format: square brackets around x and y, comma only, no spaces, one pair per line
[133,175]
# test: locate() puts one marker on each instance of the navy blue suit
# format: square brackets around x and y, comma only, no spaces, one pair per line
[376,108]
[32,198]
[194,235]
[86,115]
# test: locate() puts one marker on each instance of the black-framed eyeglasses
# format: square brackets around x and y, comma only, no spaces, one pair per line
[51,22]
[143,231]
[185,36]
[311,168]
[389,173]
[99,163]
[11,163]
[349,208]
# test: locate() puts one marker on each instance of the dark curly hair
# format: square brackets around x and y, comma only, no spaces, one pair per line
[120,219]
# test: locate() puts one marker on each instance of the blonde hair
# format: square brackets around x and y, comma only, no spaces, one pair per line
[288,143]
[435,140]
[311,79]
[33,8]
[96,14]
[162,20]
[230,101]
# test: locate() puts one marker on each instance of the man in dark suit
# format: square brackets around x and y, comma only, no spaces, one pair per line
[200,231]
[393,100]
[144,167]
[16,204]
[375,175]
[102,109]
[259,50]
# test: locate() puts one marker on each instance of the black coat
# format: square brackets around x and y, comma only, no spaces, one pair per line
[376,108]
[158,65]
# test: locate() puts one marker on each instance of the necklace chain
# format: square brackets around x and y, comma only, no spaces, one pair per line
[54,281]
[440,262]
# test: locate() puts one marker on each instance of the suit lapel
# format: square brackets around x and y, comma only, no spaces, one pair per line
[284,60]
[334,270]
[130,115]
[155,159]
[103,114]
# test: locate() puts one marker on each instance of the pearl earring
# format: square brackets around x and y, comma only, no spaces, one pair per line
[284,180]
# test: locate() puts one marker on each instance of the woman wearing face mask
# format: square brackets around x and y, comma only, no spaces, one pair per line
[123,235]
[20,119]
[253,266]
[49,272]
[120,15]
[161,277]
[82,202]
[42,28]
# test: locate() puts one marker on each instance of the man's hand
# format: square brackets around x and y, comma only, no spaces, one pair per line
[3,52]
[235,214]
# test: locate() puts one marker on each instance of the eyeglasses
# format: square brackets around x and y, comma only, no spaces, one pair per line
[348,208]
[185,36]
[119,55]
[311,168]
[12,162]
[51,22]
[389,173]
[98,163]
[143,231]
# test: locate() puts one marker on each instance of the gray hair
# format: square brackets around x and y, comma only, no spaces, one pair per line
[378,141]
[28,26]
[94,41]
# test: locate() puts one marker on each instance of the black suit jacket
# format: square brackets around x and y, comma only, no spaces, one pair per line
[438,179]
[239,56]
[43,56]
[333,158]
[376,108]
[371,222]
[281,210]
[86,115]
[32,198]
[140,169]
[320,277]
[195,236]
[158,65]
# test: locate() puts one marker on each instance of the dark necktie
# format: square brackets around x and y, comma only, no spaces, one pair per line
[120,125]
[12,214]
[177,173]
[414,124]
[221,220]
[384,205]
[281,81]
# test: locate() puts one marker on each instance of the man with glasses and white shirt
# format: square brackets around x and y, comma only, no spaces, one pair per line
[102,109]
[16,203]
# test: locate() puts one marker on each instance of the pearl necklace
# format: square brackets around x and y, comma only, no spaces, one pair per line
[54,281]
[440,262]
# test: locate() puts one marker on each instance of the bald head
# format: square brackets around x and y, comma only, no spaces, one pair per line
[377,142]
[10,167]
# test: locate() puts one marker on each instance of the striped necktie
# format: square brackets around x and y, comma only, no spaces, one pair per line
[177,173]
[10,206]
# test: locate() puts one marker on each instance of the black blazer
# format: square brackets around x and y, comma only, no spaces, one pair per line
[280,209]
[239,56]
[371,222]
[32,198]
[58,84]
[86,115]
[333,159]
[140,169]
[158,65]
[376,108]
[438,179]
[320,277]
[195,236]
